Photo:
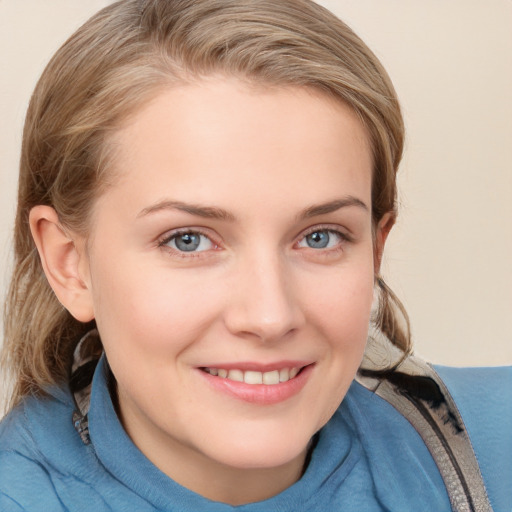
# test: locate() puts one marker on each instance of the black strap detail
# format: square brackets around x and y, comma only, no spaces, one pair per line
[417,392]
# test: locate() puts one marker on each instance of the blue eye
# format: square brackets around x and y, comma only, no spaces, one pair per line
[189,242]
[321,239]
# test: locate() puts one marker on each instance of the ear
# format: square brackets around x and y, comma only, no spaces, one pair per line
[63,262]
[383,228]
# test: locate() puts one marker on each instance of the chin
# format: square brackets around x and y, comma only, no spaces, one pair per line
[265,449]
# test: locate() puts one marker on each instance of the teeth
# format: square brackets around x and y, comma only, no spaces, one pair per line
[252,377]
[237,375]
[271,377]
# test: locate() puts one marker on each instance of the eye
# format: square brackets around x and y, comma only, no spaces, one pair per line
[321,239]
[189,241]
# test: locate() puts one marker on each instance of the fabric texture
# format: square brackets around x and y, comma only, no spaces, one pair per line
[368,457]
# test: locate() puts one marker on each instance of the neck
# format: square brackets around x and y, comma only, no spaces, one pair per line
[236,486]
[209,477]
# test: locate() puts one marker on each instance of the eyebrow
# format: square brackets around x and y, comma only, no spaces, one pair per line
[332,206]
[207,212]
[213,212]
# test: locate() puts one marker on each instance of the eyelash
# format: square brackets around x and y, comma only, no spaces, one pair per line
[162,243]
[344,239]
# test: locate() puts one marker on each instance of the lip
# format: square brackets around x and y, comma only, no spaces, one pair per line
[261,394]
[260,367]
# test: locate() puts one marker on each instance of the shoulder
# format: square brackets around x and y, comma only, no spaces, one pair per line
[30,427]
[484,399]
[44,465]
[37,447]
[404,476]
[25,484]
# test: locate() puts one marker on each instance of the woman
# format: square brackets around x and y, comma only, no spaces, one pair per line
[206,189]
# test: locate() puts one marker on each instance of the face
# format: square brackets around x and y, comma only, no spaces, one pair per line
[231,271]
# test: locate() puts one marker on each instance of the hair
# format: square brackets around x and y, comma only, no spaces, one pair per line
[115,63]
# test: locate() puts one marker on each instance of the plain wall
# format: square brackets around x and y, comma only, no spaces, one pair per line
[449,257]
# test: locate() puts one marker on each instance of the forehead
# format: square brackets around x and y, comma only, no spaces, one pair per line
[218,139]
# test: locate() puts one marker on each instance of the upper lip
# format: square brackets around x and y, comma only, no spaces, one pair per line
[259,367]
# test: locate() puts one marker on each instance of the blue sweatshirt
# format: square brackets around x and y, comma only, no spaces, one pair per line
[368,457]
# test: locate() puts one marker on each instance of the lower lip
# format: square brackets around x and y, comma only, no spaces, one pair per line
[263,394]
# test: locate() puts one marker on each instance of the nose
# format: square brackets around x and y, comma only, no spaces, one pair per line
[264,300]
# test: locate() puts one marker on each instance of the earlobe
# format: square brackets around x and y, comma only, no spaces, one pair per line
[60,258]
[383,228]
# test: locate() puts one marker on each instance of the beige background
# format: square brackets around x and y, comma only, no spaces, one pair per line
[450,255]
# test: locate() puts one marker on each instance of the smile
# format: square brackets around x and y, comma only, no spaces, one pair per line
[266,387]
[269,378]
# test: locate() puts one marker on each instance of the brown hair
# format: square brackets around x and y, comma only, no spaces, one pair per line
[118,60]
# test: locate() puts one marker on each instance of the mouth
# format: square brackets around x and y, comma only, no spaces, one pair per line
[268,378]
[271,386]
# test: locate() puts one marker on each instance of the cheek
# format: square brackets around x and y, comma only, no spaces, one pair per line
[151,310]
[343,303]
[341,314]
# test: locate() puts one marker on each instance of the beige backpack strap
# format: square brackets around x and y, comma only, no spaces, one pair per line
[417,392]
